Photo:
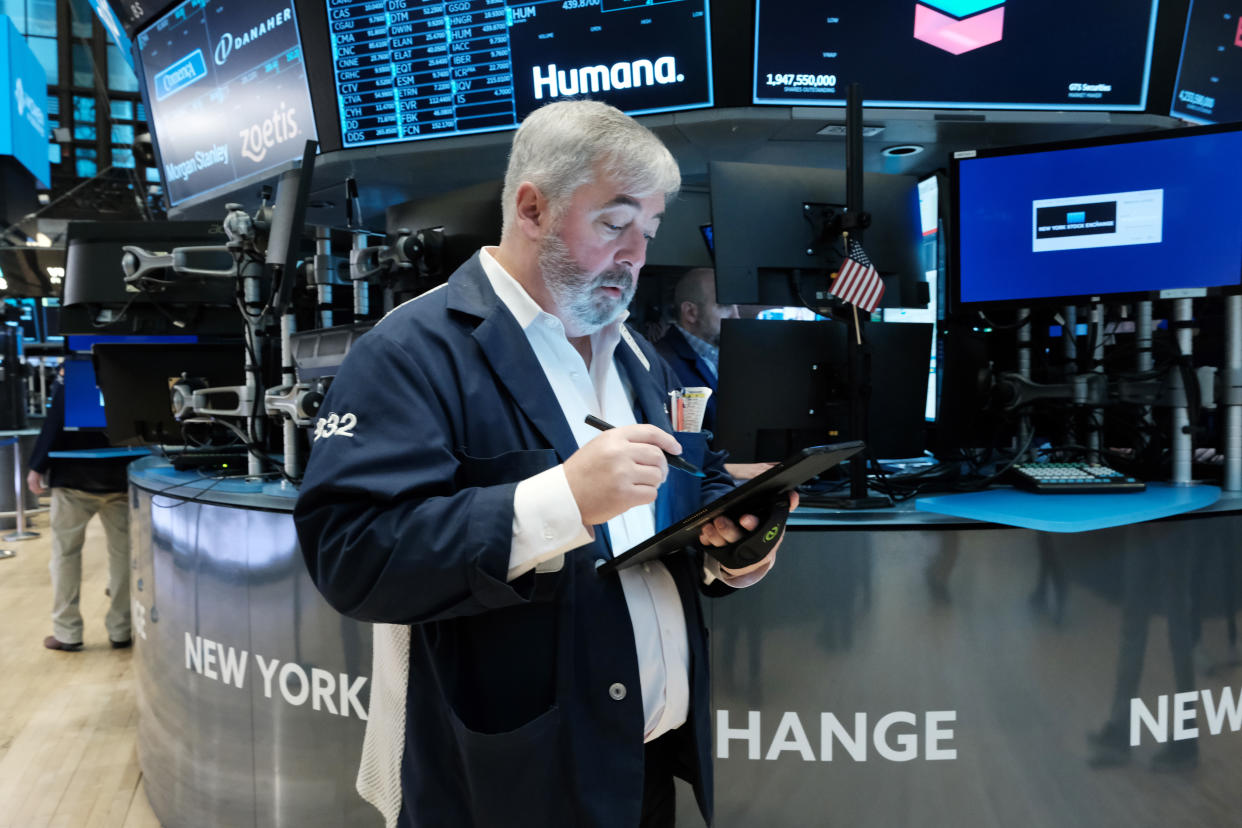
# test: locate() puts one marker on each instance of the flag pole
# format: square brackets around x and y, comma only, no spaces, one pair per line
[845,239]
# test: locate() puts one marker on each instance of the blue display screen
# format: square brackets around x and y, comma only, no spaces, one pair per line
[83,402]
[23,121]
[1162,213]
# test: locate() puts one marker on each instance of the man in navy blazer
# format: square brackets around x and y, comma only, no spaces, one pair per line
[455,492]
[692,343]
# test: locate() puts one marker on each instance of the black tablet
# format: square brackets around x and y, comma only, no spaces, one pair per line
[755,496]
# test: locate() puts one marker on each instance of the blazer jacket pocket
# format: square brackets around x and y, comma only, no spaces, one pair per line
[517,778]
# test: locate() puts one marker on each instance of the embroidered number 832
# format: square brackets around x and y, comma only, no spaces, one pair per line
[335,426]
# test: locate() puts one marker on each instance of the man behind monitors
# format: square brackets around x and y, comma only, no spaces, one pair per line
[467,506]
[692,343]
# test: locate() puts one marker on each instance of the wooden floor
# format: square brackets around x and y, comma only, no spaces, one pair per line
[68,721]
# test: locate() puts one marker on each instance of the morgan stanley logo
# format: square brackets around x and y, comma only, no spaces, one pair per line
[958,26]
[621,75]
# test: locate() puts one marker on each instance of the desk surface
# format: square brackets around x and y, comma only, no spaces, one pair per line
[1071,512]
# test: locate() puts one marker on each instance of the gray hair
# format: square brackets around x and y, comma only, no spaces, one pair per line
[559,145]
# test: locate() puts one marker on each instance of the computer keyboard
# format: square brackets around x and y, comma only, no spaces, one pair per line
[1073,478]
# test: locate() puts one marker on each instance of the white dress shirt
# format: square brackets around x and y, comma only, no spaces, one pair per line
[546,520]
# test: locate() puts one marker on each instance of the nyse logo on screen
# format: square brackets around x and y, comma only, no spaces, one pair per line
[258,138]
[230,41]
[621,75]
[28,107]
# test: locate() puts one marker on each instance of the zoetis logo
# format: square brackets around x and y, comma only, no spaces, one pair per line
[27,106]
[259,138]
[621,75]
[230,41]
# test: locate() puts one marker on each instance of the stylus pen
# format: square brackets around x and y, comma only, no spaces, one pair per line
[673,460]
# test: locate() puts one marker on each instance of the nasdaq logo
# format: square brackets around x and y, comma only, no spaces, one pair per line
[230,41]
[29,108]
[959,26]
[189,69]
[622,75]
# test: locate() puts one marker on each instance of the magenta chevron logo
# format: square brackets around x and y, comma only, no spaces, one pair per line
[959,26]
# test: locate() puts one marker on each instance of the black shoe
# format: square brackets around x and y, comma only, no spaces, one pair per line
[54,643]
[121,645]
[1177,756]
[1109,746]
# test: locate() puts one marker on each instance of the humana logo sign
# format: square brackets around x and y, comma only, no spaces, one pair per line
[622,75]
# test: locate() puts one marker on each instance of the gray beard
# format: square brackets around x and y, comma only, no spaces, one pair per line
[581,309]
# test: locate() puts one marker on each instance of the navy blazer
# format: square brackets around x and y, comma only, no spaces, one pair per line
[405,516]
[691,369]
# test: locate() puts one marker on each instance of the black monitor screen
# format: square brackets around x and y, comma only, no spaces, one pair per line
[135,382]
[761,235]
[1209,77]
[96,299]
[410,69]
[955,53]
[226,88]
[1158,211]
[803,370]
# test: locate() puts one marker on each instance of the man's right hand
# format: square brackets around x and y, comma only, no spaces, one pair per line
[618,470]
[34,481]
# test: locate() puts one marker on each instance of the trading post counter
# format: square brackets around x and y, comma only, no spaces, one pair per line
[895,668]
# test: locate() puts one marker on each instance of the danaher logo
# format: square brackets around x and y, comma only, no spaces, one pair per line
[27,106]
[621,75]
[230,41]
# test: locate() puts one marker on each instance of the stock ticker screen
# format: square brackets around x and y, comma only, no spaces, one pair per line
[978,54]
[226,89]
[412,69]
[1209,77]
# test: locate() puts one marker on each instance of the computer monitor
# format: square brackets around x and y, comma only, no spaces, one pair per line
[431,69]
[953,54]
[929,256]
[1209,73]
[761,233]
[785,385]
[225,85]
[1140,216]
[29,313]
[84,408]
[51,318]
[135,381]
[96,299]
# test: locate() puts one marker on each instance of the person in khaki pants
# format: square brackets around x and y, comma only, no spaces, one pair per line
[82,488]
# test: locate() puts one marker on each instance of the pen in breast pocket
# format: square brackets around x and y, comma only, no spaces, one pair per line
[673,460]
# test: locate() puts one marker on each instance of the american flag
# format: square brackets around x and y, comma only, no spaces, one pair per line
[857,281]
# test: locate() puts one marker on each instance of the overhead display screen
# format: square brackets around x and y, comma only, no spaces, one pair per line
[407,70]
[977,54]
[1209,78]
[226,88]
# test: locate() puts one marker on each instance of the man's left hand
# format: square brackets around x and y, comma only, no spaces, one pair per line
[722,532]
